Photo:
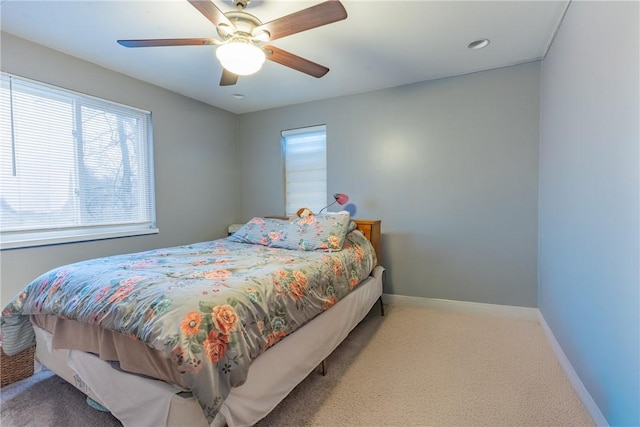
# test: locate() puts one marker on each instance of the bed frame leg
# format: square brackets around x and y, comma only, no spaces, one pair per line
[323,365]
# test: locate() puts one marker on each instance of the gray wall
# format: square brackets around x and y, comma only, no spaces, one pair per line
[589,201]
[449,166]
[195,152]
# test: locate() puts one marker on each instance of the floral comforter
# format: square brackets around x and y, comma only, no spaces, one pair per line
[210,307]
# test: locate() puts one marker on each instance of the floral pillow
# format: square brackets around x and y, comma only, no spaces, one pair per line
[313,232]
[261,231]
[309,233]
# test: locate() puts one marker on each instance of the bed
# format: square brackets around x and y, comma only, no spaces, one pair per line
[231,325]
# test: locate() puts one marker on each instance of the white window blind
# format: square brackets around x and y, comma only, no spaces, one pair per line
[305,168]
[72,167]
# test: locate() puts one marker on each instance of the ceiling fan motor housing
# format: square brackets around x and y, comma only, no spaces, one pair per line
[244,24]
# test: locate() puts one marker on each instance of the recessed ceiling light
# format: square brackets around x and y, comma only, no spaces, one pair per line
[238,96]
[478,44]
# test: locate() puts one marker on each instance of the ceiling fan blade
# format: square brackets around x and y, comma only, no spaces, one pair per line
[228,78]
[305,19]
[290,60]
[211,12]
[167,42]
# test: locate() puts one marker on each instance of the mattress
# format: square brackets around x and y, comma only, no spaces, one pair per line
[270,378]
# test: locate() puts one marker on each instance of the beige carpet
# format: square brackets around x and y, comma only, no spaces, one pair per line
[413,367]
[420,367]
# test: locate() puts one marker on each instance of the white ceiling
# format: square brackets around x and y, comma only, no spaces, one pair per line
[381,44]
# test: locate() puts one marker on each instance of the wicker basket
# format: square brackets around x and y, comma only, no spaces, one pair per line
[17,367]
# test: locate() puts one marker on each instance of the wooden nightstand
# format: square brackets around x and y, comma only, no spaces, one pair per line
[371,230]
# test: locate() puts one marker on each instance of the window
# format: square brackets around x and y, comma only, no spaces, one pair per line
[72,167]
[305,151]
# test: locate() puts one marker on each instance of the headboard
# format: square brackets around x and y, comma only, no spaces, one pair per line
[371,230]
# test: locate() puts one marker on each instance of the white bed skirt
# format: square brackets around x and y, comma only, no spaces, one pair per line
[138,401]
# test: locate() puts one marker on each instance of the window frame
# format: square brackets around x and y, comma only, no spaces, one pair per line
[34,237]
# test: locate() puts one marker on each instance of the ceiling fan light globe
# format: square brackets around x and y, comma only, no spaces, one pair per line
[240,58]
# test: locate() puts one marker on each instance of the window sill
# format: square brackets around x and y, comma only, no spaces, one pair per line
[73,236]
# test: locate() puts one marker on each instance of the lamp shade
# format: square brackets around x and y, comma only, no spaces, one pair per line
[240,57]
[341,198]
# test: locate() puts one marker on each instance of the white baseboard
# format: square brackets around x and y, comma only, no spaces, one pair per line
[573,377]
[523,313]
[463,307]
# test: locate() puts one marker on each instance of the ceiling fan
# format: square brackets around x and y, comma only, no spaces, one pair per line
[242,49]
